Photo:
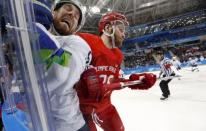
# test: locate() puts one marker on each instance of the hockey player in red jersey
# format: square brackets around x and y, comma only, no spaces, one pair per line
[95,101]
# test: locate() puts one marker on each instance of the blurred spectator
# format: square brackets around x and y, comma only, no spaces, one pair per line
[139,59]
[201,58]
[183,52]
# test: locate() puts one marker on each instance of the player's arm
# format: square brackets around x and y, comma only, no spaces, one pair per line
[94,88]
[141,81]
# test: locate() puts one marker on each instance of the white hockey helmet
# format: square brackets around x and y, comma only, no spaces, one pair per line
[59,3]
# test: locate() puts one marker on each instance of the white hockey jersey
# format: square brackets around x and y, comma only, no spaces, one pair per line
[176,63]
[62,73]
[165,66]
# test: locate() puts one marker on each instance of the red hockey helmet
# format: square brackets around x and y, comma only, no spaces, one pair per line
[112,16]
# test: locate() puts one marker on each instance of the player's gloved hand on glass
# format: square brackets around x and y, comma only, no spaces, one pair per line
[92,84]
[148,80]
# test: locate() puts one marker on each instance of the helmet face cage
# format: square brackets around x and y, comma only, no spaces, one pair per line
[112,18]
[59,3]
[120,25]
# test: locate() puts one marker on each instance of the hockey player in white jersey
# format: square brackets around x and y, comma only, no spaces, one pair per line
[176,63]
[177,66]
[167,71]
[65,56]
[193,64]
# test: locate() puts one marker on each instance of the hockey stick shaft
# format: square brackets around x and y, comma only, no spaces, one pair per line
[168,77]
[120,85]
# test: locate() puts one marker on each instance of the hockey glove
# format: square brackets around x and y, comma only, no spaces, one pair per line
[148,80]
[92,84]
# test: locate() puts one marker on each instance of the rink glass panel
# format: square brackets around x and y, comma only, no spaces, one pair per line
[22,76]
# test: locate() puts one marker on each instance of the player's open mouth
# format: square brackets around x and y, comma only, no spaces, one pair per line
[67,23]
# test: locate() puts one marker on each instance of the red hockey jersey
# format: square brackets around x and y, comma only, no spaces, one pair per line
[107,63]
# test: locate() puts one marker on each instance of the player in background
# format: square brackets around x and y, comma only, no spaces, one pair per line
[193,64]
[95,101]
[166,71]
[66,56]
[176,63]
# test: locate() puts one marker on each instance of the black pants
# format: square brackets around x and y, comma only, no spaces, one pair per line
[164,87]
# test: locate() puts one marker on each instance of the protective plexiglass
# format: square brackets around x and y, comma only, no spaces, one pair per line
[26,105]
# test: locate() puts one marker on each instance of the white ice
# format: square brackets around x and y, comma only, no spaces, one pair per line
[185,110]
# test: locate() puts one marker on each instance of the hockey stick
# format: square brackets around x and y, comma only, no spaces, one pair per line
[121,85]
[169,77]
[191,69]
[186,69]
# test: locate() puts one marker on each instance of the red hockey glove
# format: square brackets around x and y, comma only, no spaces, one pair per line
[148,80]
[92,84]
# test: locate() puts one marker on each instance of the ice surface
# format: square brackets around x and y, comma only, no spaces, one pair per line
[185,110]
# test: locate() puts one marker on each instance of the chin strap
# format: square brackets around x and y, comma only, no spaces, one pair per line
[54,31]
[111,35]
